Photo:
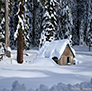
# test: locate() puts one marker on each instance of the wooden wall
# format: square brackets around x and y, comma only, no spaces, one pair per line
[66,57]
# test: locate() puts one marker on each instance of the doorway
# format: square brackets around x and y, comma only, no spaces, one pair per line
[68,60]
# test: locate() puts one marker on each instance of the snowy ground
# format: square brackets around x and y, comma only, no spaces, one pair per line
[45,71]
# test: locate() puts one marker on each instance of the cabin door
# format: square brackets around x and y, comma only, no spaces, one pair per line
[68,60]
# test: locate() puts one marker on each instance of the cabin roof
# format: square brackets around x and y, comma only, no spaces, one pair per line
[71,49]
[55,49]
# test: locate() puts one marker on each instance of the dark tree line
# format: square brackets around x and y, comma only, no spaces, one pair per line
[49,20]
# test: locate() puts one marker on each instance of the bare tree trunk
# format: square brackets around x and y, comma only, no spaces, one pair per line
[20,38]
[7,33]
[20,47]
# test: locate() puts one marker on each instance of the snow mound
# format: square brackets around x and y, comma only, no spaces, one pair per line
[40,61]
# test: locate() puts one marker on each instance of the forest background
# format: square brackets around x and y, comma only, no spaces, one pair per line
[49,20]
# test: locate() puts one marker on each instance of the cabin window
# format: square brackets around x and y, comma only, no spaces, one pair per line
[68,60]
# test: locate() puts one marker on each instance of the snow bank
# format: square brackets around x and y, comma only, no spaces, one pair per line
[40,61]
[39,72]
[84,86]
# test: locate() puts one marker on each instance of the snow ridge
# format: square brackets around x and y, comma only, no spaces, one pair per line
[84,86]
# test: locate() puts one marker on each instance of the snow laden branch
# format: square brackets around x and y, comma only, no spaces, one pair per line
[20,22]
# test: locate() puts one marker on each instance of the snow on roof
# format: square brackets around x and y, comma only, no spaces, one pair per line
[54,49]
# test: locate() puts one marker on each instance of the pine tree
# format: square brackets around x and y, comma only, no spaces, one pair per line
[81,16]
[2,22]
[84,17]
[53,14]
[26,38]
[72,4]
[90,35]
[20,28]
[81,32]
[13,23]
[89,27]
[38,23]
[59,17]
[65,21]
[31,6]
[42,39]
[49,23]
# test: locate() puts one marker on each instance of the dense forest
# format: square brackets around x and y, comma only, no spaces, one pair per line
[49,20]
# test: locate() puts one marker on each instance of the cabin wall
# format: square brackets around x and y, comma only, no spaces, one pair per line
[66,58]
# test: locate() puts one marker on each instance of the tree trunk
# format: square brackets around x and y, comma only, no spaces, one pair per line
[7,33]
[20,47]
[20,38]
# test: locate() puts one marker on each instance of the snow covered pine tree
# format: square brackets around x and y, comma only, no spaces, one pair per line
[26,43]
[65,20]
[49,23]
[13,23]
[89,27]
[2,22]
[19,32]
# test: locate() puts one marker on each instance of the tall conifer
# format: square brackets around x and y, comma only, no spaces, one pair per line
[49,23]
[20,28]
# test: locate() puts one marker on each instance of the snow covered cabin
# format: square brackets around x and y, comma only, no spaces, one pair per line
[60,51]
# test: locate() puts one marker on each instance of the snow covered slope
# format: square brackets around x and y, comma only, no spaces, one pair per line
[44,71]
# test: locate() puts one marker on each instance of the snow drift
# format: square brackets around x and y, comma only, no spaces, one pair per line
[40,61]
[45,71]
[84,86]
